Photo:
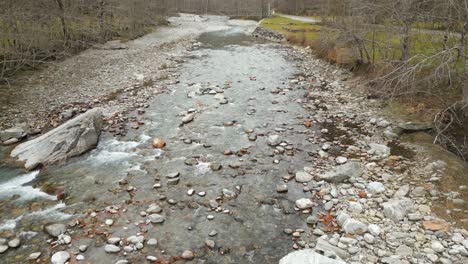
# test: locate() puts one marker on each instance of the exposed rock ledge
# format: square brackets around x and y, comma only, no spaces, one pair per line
[73,138]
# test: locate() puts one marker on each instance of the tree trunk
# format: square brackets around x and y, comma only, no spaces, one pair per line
[62,20]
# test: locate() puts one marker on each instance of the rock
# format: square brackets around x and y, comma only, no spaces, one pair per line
[341,160]
[156,218]
[83,248]
[397,209]
[274,140]
[14,243]
[418,192]
[151,258]
[55,230]
[80,257]
[390,135]
[109,222]
[402,192]
[34,256]
[304,203]
[3,248]
[376,187]
[312,220]
[187,254]
[11,133]
[435,225]
[158,143]
[210,243]
[343,172]
[379,151]
[374,229]
[437,246]
[303,177]
[10,141]
[60,257]
[152,242]
[308,256]
[113,240]
[354,227]
[325,246]
[414,127]
[122,261]
[188,118]
[355,207]
[404,250]
[282,188]
[73,138]
[370,239]
[111,248]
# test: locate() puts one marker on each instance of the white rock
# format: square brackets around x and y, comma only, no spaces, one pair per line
[397,209]
[274,140]
[303,177]
[304,203]
[376,187]
[111,248]
[374,229]
[34,256]
[341,160]
[437,246]
[308,256]
[60,257]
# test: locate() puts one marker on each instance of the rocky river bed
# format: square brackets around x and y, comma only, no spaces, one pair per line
[247,151]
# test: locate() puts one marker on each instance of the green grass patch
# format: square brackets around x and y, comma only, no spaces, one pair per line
[293,29]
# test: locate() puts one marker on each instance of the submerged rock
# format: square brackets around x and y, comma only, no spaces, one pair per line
[308,256]
[73,138]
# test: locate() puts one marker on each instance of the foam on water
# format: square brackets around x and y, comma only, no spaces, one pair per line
[16,186]
[49,213]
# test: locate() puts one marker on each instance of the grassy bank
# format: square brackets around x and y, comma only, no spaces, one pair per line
[424,86]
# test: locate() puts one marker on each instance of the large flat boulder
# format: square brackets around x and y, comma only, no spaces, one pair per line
[308,256]
[73,138]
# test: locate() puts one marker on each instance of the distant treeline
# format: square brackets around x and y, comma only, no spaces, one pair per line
[32,32]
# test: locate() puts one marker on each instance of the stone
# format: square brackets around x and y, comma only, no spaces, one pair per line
[34,256]
[312,220]
[303,177]
[71,139]
[341,160]
[418,192]
[354,227]
[343,172]
[80,257]
[325,246]
[111,248]
[3,248]
[437,246]
[274,140]
[374,229]
[109,222]
[187,254]
[435,225]
[370,239]
[282,188]
[379,151]
[60,257]
[158,143]
[355,207]
[402,191]
[304,203]
[210,243]
[156,218]
[152,242]
[151,258]
[397,209]
[122,261]
[410,127]
[308,256]
[11,133]
[55,230]
[83,248]
[10,141]
[14,243]
[404,250]
[113,240]
[376,187]
[188,118]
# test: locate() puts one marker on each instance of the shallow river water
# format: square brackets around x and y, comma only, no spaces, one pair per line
[228,83]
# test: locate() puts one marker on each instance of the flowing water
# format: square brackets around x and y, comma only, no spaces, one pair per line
[243,71]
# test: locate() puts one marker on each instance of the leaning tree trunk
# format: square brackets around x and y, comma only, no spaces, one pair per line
[62,20]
